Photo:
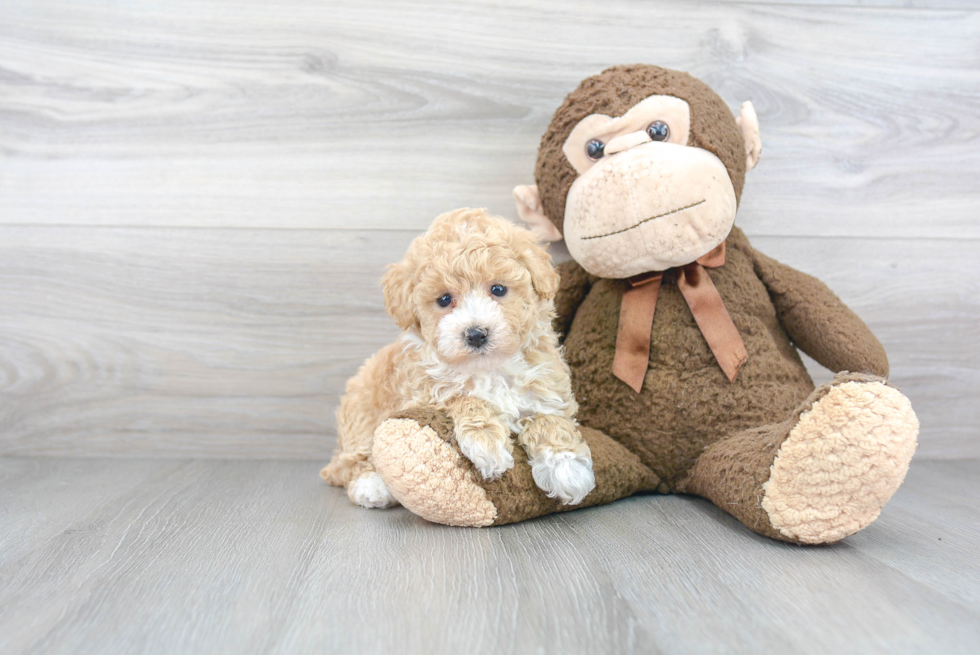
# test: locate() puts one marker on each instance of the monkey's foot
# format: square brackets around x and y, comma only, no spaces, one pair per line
[821,475]
[428,474]
[417,456]
[841,462]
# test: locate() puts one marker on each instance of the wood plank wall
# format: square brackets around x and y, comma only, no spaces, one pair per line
[197,198]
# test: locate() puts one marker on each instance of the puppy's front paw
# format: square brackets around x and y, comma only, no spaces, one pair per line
[370,491]
[564,475]
[487,447]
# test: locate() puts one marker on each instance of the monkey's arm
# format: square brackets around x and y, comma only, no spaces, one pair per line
[575,285]
[818,322]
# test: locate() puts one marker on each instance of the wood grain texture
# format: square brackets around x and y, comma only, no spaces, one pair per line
[382,114]
[833,5]
[238,343]
[260,557]
[204,342]
[196,200]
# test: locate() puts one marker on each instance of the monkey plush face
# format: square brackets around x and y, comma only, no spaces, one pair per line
[640,170]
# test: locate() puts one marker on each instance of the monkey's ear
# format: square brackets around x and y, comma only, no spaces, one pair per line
[748,122]
[529,209]
[397,286]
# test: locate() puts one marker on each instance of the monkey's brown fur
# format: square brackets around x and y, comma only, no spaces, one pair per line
[687,403]
[789,461]
[612,93]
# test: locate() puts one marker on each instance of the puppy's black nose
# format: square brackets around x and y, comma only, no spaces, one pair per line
[476,337]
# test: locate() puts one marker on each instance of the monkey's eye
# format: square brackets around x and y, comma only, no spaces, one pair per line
[445,300]
[594,149]
[498,290]
[658,131]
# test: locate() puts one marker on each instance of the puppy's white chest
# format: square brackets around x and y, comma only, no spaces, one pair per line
[510,401]
[513,390]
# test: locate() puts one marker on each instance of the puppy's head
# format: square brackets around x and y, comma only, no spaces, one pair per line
[473,287]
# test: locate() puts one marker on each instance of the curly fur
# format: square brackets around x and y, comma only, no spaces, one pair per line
[515,383]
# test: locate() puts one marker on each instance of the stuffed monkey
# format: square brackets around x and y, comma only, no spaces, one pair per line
[681,337]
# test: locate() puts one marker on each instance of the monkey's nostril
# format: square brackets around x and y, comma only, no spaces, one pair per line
[476,337]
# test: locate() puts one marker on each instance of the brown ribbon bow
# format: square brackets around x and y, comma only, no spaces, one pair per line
[640,303]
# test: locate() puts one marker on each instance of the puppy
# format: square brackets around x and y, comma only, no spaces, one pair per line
[474,297]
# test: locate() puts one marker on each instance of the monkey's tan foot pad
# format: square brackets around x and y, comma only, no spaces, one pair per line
[419,460]
[842,461]
[429,476]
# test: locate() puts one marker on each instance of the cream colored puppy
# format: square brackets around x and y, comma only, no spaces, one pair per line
[475,298]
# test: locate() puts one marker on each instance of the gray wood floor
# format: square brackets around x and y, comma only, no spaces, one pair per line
[208,556]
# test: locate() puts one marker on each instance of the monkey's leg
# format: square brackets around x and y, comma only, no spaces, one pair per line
[820,476]
[420,462]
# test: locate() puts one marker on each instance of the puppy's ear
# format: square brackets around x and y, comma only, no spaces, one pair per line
[544,276]
[397,286]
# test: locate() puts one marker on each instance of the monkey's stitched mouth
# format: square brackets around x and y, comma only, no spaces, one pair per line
[646,220]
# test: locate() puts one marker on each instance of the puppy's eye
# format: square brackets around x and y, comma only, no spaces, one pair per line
[658,131]
[445,300]
[595,149]
[498,290]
